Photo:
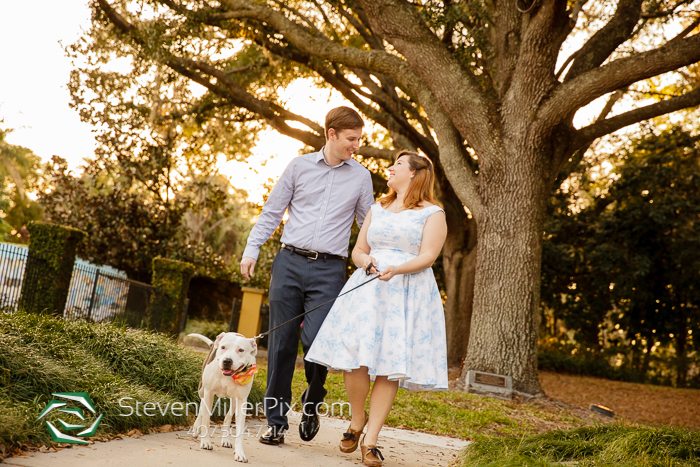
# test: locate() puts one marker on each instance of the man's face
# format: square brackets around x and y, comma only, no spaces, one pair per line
[344,143]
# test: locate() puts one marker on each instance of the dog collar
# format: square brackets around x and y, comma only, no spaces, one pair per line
[245,376]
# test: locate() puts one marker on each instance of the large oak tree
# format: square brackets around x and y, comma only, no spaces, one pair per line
[473,84]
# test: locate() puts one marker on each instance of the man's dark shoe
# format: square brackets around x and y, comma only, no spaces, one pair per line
[273,436]
[309,426]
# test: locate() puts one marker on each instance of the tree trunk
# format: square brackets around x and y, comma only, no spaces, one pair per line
[459,263]
[646,359]
[459,266]
[506,317]
[681,354]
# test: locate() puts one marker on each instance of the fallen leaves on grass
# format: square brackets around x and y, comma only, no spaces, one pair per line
[645,403]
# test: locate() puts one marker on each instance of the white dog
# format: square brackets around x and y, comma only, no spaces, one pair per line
[227,372]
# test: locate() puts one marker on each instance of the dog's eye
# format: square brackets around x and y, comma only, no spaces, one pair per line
[223,347]
[241,350]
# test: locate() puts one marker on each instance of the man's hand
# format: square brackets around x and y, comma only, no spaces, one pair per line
[248,267]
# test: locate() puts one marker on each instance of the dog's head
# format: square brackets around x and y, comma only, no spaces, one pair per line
[232,352]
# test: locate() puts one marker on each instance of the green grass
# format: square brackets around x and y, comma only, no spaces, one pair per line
[40,355]
[211,329]
[450,413]
[611,445]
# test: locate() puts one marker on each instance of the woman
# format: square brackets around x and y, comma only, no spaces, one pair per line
[391,331]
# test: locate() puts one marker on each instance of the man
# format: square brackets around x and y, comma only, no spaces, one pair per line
[324,192]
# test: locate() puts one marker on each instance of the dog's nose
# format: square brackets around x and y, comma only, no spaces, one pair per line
[227,362]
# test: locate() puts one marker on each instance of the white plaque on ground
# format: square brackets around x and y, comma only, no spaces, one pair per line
[489,384]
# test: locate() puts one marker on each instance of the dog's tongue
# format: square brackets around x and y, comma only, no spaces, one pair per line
[227,372]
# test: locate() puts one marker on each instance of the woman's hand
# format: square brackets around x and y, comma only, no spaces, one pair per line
[367,261]
[388,273]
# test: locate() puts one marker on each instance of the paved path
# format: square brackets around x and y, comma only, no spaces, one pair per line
[401,448]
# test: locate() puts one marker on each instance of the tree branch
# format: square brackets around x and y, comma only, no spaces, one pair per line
[601,128]
[665,13]
[577,157]
[373,41]
[576,93]
[223,86]
[603,43]
[389,118]
[311,25]
[686,31]
[392,121]
[453,87]
[458,167]
[368,151]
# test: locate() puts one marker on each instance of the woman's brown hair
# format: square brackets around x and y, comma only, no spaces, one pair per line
[422,184]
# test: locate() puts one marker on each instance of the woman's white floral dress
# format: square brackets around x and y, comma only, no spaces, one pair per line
[394,328]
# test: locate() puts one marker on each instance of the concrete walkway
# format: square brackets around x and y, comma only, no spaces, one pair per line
[400,448]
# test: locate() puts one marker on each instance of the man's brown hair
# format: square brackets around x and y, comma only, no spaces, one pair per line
[343,118]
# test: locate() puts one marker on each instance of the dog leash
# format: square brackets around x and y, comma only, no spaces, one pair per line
[369,266]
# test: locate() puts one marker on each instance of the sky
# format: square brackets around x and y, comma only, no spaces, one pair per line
[33,93]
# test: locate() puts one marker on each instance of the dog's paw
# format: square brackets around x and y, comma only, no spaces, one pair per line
[226,443]
[206,444]
[239,456]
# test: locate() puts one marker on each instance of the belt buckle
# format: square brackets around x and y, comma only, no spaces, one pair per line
[316,257]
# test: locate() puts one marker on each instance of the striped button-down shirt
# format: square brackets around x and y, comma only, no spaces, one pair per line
[322,201]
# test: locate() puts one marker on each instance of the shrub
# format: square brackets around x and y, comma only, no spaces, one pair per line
[40,355]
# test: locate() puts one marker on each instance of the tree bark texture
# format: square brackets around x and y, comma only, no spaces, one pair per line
[505,323]
[459,264]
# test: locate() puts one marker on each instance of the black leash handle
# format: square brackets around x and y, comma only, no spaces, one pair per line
[370,266]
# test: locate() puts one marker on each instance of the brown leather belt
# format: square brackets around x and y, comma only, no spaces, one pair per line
[311,254]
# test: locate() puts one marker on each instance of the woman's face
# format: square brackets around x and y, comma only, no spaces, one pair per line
[400,174]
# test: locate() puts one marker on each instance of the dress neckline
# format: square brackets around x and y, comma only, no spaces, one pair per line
[404,210]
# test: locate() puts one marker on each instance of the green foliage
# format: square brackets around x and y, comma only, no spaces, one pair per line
[621,272]
[171,280]
[49,267]
[210,329]
[19,175]
[41,354]
[610,445]
[162,138]
[560,360]
[130,221]
[127,225]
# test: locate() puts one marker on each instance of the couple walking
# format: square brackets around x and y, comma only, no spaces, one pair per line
[390,331]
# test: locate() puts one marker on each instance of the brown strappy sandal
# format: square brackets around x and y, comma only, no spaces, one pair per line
[371,455]
[352,437]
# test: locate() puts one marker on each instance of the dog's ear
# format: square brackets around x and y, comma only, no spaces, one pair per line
[212,351]
[210,357]
[254,349]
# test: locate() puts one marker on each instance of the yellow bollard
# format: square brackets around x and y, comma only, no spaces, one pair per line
[249,321]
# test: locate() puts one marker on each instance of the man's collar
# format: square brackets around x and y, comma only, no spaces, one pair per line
[320,157]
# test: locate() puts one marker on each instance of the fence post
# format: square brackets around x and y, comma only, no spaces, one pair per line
[92,295]
[171,280]
[235,312]
[49,267]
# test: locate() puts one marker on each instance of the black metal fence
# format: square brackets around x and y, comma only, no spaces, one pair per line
[98,296]
[13,261]
[94,295]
